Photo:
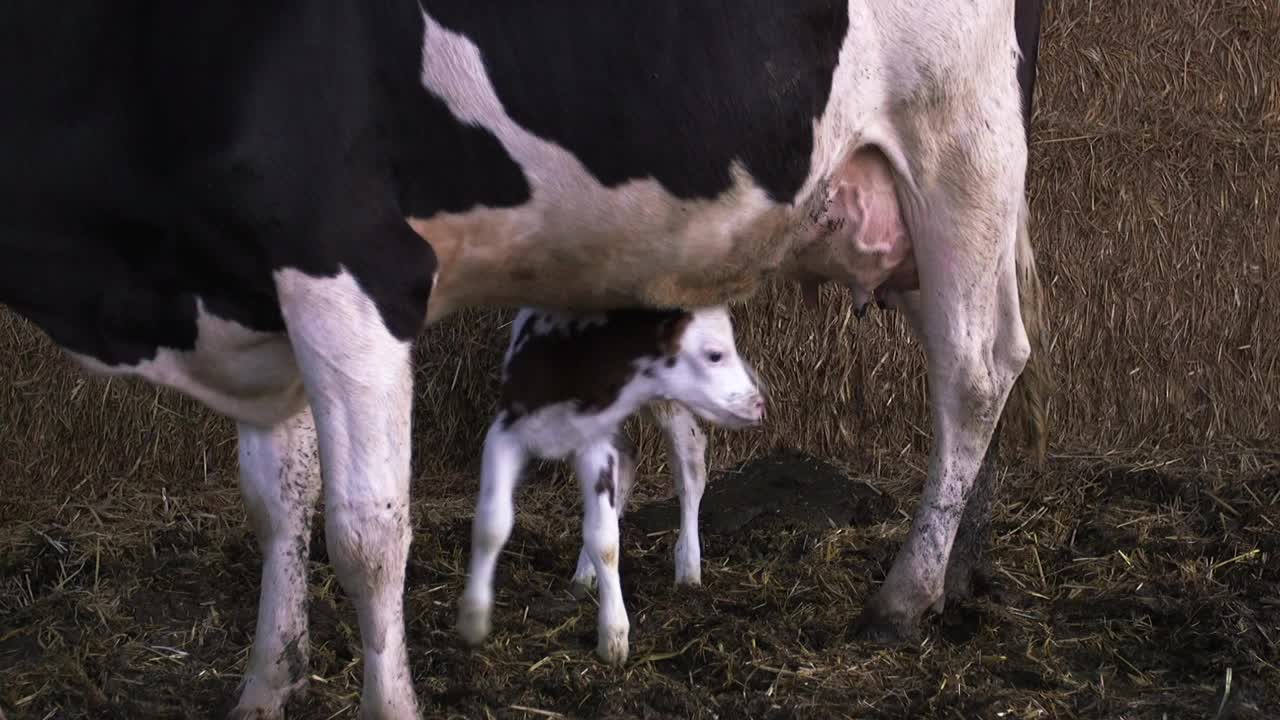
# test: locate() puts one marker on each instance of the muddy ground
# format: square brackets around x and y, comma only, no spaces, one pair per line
[1120,592]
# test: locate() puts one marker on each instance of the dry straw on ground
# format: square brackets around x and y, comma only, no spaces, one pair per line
[1154,170]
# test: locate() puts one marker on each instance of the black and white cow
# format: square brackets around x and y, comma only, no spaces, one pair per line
[569,381]
[262,204]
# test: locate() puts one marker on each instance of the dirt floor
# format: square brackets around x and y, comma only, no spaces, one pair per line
[1120,592]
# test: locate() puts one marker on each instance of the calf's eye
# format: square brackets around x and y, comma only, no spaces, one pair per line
[715,356]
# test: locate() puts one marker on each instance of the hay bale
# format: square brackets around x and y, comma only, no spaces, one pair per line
[1155,160]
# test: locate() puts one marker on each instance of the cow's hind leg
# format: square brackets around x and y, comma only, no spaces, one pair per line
[969,567]
[968,316]
[359,381]
[280,482]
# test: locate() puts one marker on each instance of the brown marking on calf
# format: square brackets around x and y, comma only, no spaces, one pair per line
[587,365]
[609,556]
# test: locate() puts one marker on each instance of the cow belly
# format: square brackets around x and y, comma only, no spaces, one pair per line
[247,375]
[626,251]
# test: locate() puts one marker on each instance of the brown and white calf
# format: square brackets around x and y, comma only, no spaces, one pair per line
[569,382]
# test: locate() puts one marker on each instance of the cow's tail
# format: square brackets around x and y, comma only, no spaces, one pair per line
[1027,408]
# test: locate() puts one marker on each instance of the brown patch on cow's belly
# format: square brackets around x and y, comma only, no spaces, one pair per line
[493,258]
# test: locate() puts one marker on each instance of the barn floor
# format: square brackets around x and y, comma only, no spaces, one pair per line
[1120,592]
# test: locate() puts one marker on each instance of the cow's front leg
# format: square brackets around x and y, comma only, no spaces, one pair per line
[967,314]
[600,473]
[358,378]
[280,482]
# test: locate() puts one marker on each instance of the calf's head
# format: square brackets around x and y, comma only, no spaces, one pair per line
[703,370]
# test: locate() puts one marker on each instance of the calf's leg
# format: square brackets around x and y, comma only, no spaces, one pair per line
[686,445]
[503,460]
[600,474]
[584,577]
[280,483]
[687,455]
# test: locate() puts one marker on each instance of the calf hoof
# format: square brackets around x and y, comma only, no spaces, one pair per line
[582,587]
[689,578]
[884,626]
[688,562]
[473,624]
[613,646]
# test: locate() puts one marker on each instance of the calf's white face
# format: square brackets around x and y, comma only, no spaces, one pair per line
[709,376]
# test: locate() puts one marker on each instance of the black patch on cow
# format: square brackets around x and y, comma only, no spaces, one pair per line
[159,154]
[586,365]
[670,89]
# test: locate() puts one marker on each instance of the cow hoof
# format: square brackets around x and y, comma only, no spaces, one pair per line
[258,702]
[473,624]
[613,645]
[882,626]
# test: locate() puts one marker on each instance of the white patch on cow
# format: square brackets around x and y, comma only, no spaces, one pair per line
[359,380]
[247,375]
[707,375]
[280,483]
